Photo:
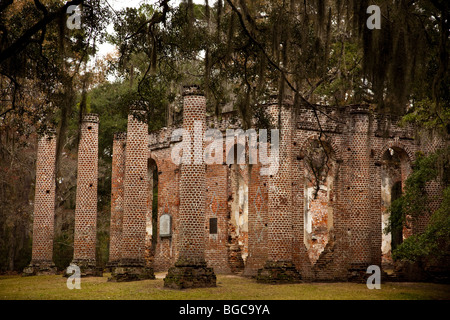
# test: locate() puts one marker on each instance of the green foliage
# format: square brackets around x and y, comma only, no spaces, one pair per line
[40,59]
[425,114]
[397,217]
[414,202]
[108,101]
[435,241]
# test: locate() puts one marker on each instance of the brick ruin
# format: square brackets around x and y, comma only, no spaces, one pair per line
[131,263]
[85,233]
[190,268]
[314,220]
[44,208]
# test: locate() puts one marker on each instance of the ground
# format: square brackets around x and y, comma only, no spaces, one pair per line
[228,287]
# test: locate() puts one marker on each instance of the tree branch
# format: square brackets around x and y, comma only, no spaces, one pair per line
[5,4]
[22,42]
[275,65]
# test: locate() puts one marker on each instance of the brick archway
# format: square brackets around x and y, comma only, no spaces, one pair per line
[396,144]
[315,136]
[394,163]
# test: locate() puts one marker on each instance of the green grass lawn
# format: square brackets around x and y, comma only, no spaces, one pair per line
[228,287]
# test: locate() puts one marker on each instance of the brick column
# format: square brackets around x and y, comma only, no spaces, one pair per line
[132,264]
[85,234]
[117,179]
[279,266]
[257,221]
[190,270]
[44,209]
[375,205]
[358,192]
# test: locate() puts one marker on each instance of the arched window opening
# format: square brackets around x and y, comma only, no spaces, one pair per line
[395,168]
[238,214]
[319,165]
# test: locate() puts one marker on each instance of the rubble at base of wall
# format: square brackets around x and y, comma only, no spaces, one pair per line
[182,277]
[235,260]
[131,273]
[278,272]
[357,272]
[88,268]
[40,268]
[419,271]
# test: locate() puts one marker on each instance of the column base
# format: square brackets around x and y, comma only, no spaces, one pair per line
[111,265]
[88,268]
[38,268]
[183,276]
[128,270]
[275,272]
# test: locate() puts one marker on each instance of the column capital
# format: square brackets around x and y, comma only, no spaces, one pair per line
[90,117]
[192,90]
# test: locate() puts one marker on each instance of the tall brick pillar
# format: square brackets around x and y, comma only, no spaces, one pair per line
[358,192]
[257,221]
[190,270]
[279,266]
[44,209]
[85,234]
[132,264]
[117,179]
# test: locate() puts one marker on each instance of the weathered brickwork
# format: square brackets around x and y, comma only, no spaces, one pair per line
[228,218]
[257,221]
[190,269]
[216,241]
[351,210]
[168,204]
[117,198]
[358,192]
[279,265]
[132,264]
[85,233]
[44,209]
[192,190]
[237,185]
[280,191]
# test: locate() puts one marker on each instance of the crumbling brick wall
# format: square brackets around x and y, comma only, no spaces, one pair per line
[166,251]
[358,139]
[216,249]
[354,238]
[117,179]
